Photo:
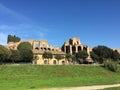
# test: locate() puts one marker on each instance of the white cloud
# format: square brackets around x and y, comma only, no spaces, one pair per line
[3,39]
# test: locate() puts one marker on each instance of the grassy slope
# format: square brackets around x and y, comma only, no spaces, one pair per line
[22,77]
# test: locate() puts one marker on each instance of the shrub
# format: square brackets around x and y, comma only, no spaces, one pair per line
[112,66]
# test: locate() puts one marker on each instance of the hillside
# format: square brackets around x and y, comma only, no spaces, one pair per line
[22,77]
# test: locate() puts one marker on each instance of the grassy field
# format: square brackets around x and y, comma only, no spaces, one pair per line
[24,77]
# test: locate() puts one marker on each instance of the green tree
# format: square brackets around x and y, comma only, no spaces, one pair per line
[115,55]
[58,57]
[47,55]
[94,57]
[4,54]
[69,57]
[101,53]
[81,55]
[26,53]
[13,38]
[73,58]
[24,45]
[9,39]
[15,56]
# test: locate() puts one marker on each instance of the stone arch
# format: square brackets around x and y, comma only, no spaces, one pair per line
[67,49]
[41,48]
[85,49]
[54,62]
[45,62]
[63,62]
[49,49]
[36,48]
[45,49]
[73,49]
[79,48]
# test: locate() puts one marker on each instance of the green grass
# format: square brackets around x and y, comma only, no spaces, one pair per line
[24,77]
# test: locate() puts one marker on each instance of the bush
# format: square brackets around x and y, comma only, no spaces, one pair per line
[112,66]
[4,54]
[25,49]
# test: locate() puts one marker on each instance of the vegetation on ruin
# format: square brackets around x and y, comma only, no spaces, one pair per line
[26,77]
[47,55]
[12,38]
[58,57]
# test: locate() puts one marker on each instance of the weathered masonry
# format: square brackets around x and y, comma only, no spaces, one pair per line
[40,46]
[74,45]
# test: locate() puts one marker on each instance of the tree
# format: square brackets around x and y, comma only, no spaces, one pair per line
[73,58]
[58,57]
[24,45]
[69,57]
[102,53]
[15,56]
[4,54]
[26,53]
[94,56]
[47,55]
[13,38]
[81,55]
[115,55]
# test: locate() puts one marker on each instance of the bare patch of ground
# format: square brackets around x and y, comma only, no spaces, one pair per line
[97,87]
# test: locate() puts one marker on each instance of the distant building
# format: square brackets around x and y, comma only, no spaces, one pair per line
[39,47]
[74,45]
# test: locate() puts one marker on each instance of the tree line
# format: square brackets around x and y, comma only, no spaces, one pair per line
[22,54]
[99,54]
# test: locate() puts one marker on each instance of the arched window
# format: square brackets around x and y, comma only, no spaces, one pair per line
[79,48]
[35,61]
[63,62]
[49,49]
[36,48]
[45,49]
[45,61]
[52,49]
[73,49]
[67,49]
[54,62]
[85,48]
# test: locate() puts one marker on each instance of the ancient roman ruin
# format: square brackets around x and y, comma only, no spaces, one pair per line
[72,46]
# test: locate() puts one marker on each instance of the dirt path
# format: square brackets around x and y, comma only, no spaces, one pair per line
[86,87]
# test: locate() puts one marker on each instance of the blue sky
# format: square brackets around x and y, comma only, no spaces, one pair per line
[95,22]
